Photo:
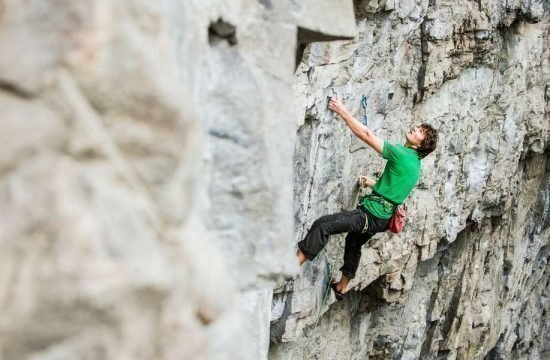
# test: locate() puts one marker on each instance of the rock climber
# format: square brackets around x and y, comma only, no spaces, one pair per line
[374,211]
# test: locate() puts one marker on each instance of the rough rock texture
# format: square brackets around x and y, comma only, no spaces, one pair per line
[146,173]
[146,178]
[469,276]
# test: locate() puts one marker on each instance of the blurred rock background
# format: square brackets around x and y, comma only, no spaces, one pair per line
[160,160]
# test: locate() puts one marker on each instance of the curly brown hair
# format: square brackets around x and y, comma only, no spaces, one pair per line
[430,141]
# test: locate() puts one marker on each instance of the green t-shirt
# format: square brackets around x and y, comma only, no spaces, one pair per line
[399,177]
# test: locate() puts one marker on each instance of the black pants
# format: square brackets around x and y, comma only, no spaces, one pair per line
[353,223]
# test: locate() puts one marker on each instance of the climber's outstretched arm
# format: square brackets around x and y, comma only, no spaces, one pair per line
[360,130]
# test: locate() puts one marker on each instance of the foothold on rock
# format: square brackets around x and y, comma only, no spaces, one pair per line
[222,30]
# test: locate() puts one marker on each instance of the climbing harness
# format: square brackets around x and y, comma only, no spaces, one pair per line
[364,120]
[387,204]
[399,211]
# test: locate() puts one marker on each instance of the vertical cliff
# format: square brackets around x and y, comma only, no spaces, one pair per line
[468,278]
[160,159]
[146,173]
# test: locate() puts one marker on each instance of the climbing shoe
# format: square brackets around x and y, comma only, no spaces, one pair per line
[339,296]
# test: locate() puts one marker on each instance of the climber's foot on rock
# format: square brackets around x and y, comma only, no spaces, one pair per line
[301,257]
[339,295]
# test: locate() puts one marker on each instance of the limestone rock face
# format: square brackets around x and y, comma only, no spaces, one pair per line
[468,278]
[161,158]
[146,173]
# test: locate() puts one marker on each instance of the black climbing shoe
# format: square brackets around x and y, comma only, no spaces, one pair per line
[339,296]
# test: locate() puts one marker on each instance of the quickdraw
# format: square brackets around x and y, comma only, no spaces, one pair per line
[364,119]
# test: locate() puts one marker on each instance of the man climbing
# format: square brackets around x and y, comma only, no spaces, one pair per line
[374,212]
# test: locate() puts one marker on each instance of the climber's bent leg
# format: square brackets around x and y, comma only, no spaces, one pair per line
[322,228]
[354,242]
[352,253]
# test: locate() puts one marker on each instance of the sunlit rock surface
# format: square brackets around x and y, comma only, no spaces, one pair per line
[160,159]
[468,277]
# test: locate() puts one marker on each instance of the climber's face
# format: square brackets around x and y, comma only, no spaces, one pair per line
[415,136]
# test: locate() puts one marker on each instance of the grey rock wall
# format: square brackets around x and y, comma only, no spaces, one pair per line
[146,173]
[468,277]
[160,160]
